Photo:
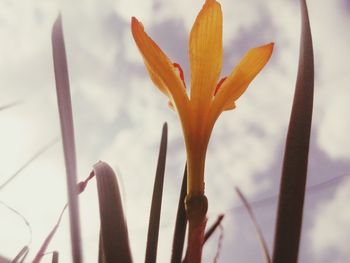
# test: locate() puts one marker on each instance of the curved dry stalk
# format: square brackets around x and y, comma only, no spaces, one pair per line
[309,190]
[27,163]
[26,222]
[48,239]
[212,229]
[10,105]
[21,255]
[258,230]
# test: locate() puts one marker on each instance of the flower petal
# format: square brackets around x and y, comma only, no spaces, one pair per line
[162,72]
[230,105]
[205,52]
[157,81]
[237,82]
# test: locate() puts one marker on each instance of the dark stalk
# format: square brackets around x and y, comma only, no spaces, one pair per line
[294,171]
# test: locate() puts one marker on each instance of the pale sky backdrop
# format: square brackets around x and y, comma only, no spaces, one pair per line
[118,115]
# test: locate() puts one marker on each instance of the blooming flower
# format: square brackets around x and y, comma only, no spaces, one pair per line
[208,97]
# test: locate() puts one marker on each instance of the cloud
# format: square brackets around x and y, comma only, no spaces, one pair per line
[118,113]
[329,234]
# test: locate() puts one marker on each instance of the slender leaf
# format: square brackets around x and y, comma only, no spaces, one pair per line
[81,187]
[309,190]
[55,257]
[180,224]
[154,218]
[67,130]
[294,172]
[212,229]
[25,221]
[114,230]
[10,105]
[258,230]
[26,164]
[21,255]
[48,239]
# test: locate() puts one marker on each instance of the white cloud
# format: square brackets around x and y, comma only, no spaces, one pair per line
[334,126]
[330,234]
[118,113]
[141,9]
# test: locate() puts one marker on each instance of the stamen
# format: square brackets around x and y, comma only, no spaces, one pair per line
[181,73]
[218,86]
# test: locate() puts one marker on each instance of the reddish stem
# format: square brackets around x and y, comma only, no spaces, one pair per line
[196,208]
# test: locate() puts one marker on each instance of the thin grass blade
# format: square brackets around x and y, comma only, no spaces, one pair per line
[25,221]
[312,189]
[294,172]
[10,105]
[154,218]
[180,224]
[22,254]
[67,130]
[212,229]
[115,239]
[258,230]
[81,187]
[26,164]
[48,239]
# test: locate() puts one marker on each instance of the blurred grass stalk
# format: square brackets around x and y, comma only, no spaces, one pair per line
[67,130]
[294,171]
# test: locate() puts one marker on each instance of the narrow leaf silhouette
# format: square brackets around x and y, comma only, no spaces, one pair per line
[153,227]
[27,163]
[114,232]
[21,255]
[10,105]
[55,256]
[48,239]
[81,187]
[180,224]
[212,229]
[294,172]
[67,130]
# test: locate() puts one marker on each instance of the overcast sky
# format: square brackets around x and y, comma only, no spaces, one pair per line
[118,115]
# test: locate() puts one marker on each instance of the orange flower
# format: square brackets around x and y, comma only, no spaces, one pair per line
[208,98]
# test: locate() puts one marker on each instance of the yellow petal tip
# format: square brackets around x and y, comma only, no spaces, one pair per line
[266,49]
[269,46]
[136,25]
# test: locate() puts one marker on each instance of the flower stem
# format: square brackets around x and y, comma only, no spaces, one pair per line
[196,209]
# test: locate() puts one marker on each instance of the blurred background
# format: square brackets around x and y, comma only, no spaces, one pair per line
[118,115]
